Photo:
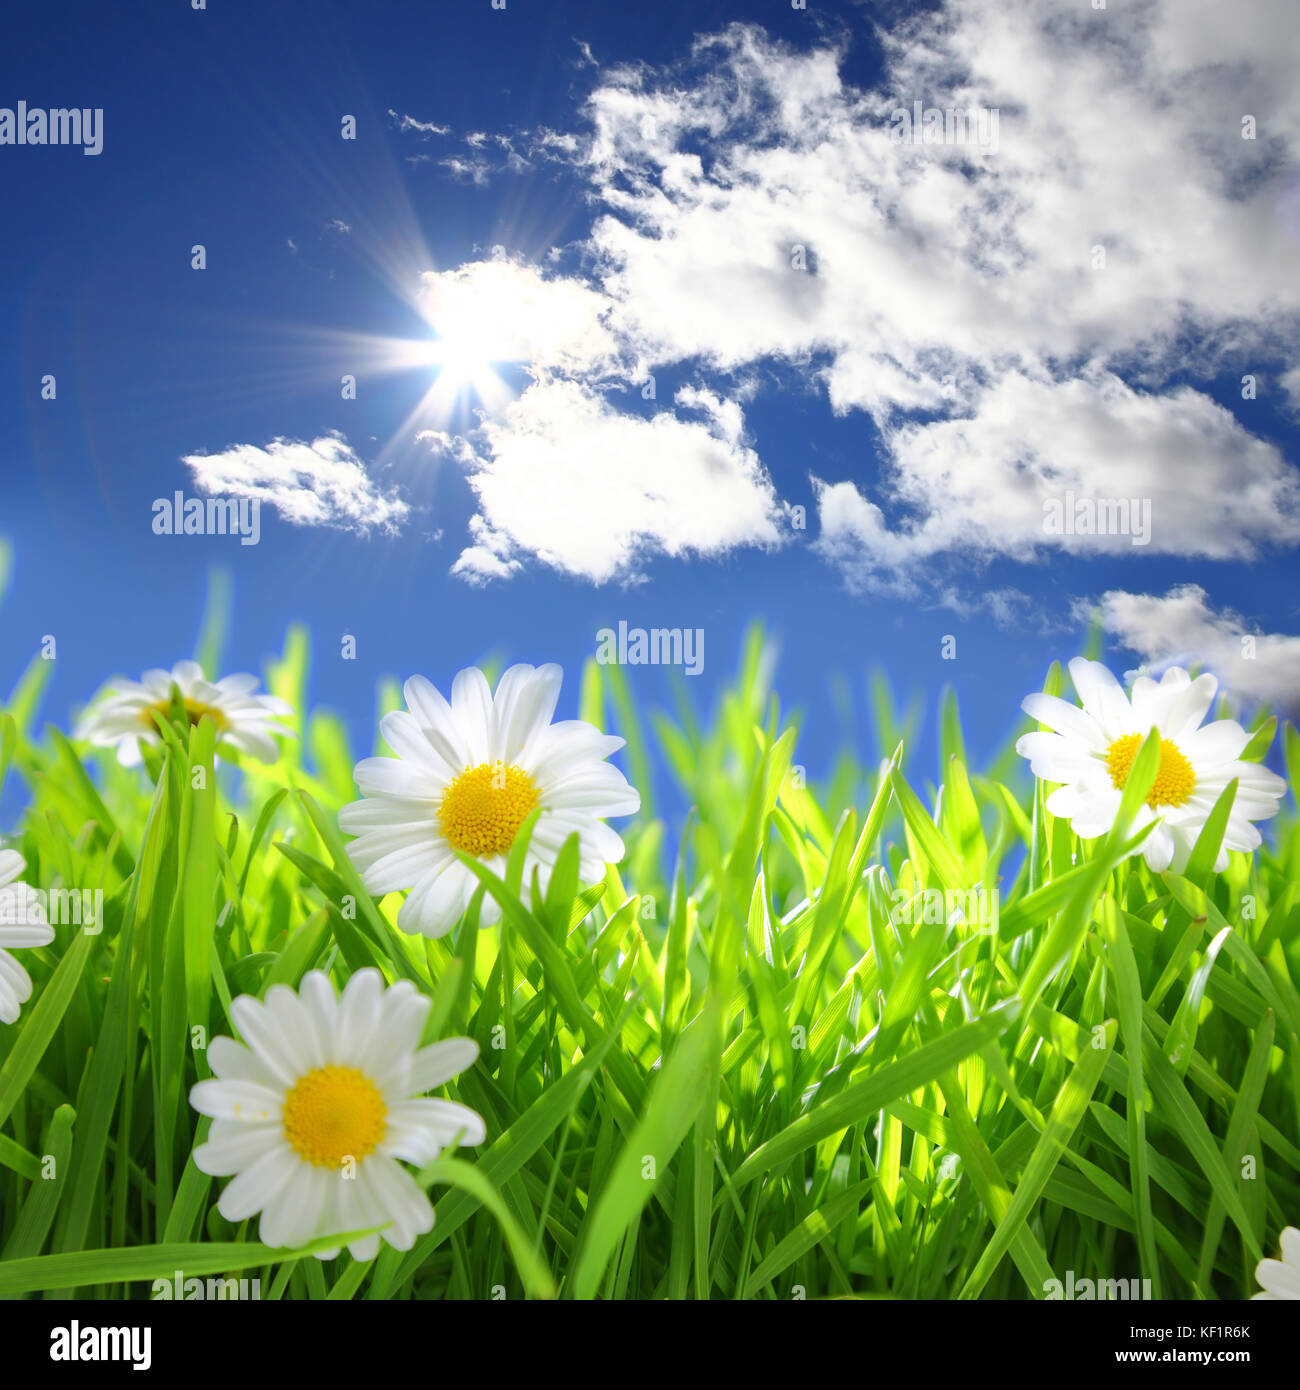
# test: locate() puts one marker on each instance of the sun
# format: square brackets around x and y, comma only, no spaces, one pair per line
[465,358]
[468,354]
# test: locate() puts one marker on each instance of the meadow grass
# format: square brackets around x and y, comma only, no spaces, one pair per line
[777,1056]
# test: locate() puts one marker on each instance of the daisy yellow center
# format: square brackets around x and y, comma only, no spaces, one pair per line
[483,808]
[1175,781]
[194,711]
[334,1113]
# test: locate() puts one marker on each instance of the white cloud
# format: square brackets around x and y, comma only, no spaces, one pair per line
[593,491]
[1181,628]
[517,314]
[323,483]
[423,129]
[753,207]
[855,537]
[960,281]
[475,171]
[982,485]
[488,558]
[490,153]
[965,253]
[1291,385]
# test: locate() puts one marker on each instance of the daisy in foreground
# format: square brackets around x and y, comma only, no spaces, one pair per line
[312,1116]
[1093,750]
[1280,1279]
[466,777]
[22,923]
[124,718]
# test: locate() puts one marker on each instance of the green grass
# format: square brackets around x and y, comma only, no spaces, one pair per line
[734,1069]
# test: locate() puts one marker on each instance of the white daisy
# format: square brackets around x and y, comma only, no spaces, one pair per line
[124,718]
[466,777]
[22,923]
[312,1116]
[1279,1280]
[1093,749]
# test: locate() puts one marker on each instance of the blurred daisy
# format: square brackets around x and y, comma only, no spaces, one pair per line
[124,718]
[466,777]
[1094,747]
[312,1116]
[22,923]
[1279,1280]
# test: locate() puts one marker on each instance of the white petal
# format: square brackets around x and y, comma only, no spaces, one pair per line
[295,1216]
[254,742]
[1279,1279]
[1061,760]
[25,935]
[450,1119]
[360,1008]
[1158,849]
[524,703]
[438,902]
[388,813]
[239,684]
[187,674]
[1066,719]
[436,1064]
[278,1050]
[403,734]
[321,1002]
[387,1061]
[1290,1242]
[11,865]
[258,1185]
[16,984]
[567,744]
[1189,706]
[409,778]
[387,867]
[236,1100]
[237,1147]
[402,1199]
[297,1028]
[438,724]
[1220,742]
[232,1061]
[471,705]
[1102,696]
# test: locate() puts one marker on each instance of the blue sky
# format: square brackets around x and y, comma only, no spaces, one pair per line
[591,193]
